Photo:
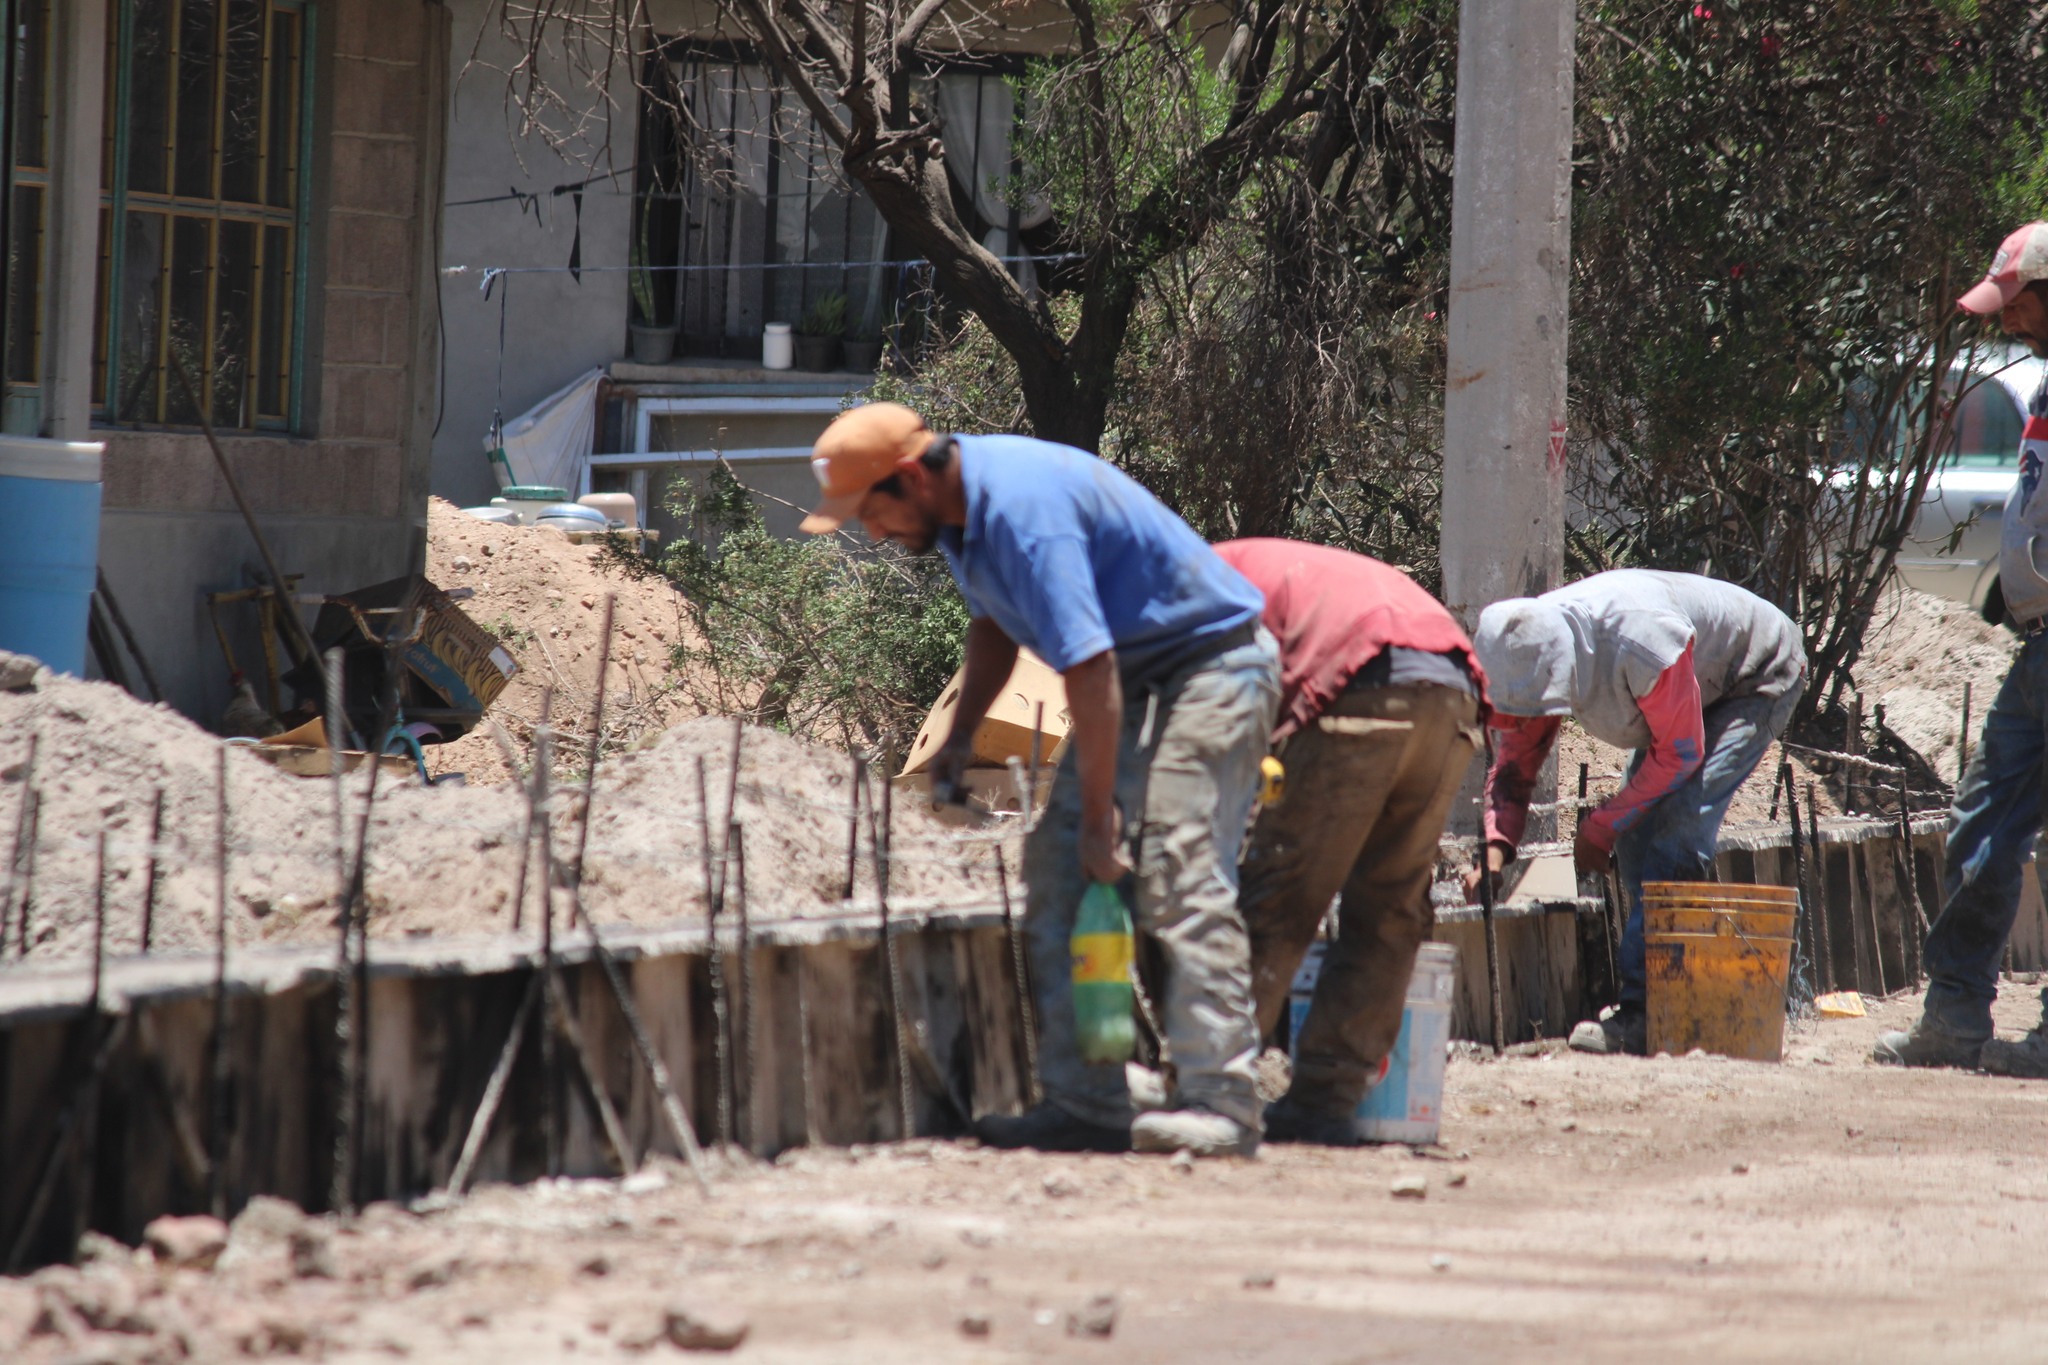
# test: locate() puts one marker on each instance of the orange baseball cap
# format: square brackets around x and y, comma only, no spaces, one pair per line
[2022,258]
[862,447]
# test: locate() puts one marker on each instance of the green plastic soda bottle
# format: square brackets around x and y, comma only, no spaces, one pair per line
[1103,949]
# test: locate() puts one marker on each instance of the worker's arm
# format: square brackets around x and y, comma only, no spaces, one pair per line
[1095,710]
[1678,736]
[1520,744]
[991,657]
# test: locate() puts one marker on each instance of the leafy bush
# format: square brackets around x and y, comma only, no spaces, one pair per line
[827,638]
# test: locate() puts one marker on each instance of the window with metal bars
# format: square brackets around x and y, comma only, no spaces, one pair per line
[743,215]
[202,231]
[26,195]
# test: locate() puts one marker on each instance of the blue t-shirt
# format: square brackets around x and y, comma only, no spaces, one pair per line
[1070,557]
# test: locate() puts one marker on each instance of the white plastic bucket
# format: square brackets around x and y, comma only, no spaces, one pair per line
[1406,1101]
[778,348]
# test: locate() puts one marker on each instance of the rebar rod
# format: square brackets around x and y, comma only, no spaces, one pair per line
[217,1071]
[156,833]
[604,663]
[550,1064]
[1027,1004]
[748,1050]
[852,825]
[1819,872]
[22,815]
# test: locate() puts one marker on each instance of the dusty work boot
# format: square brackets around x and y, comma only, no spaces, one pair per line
[1624,1030]
[1929,1043]
[1287,1121]
[1048,1128]
[1195,1131]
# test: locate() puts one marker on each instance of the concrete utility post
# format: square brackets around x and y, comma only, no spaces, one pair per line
[1504,416]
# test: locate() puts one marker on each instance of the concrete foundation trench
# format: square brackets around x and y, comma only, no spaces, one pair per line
[114,1095]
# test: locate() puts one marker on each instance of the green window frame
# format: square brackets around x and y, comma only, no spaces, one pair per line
[25,194]
[205,204]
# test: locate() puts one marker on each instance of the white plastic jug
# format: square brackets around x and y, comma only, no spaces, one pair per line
[1406,1101]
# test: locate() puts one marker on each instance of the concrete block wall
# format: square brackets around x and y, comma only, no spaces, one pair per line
[342,500]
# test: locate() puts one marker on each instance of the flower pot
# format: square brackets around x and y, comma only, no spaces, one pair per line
[817,354]
[653,345]
[863,356]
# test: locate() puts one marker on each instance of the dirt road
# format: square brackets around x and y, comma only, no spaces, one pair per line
[1689,1209]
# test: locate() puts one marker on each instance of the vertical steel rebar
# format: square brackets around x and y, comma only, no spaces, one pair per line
[748,1042]
[156,833]
[1963,738]
[217,1084]
[1027,1005]
[550,1063]
[99,914]
[1799,864]
[28,871]
[21,828]
[604,664]
[885,838]
[1911,917]
[1037,759]
[1818,864]
[852,824]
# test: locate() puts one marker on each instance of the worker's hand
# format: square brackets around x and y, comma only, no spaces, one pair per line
[1102,848]
[949,772]
[1496,859]
[1588,858]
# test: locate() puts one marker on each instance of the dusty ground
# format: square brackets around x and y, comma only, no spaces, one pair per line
[1690,1209]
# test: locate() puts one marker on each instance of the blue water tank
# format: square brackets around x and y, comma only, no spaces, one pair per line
[49,555]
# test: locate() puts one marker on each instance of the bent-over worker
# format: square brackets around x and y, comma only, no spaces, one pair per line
[1997,812]
[1696,675]
[1171,687]
[1380,702]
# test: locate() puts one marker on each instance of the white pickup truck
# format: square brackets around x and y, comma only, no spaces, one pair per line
[1953,549]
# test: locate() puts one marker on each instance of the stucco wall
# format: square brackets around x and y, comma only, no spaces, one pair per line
[555,327]
[344,502]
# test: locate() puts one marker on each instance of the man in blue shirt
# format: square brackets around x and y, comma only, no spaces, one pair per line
[1172,685]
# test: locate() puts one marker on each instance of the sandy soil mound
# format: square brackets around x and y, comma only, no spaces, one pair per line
[1917,656]
[544,598]
[443,859]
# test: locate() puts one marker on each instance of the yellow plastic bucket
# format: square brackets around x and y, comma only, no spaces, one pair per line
[1719,908]
[1750,923]
[1717,893]
[1721,992]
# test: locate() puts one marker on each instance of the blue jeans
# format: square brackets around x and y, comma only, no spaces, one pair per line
[1991,830]
[1677,837]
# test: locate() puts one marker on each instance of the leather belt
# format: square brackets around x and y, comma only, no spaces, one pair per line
[2030,628]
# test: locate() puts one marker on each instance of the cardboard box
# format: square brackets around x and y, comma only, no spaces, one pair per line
[1006,732]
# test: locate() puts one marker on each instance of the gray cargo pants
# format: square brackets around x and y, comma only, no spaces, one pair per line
[1188,779]
[1369,783]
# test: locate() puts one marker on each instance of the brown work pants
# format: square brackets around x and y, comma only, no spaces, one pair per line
[1369,783]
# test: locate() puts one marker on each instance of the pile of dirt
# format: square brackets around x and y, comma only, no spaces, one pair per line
[1918,655]
[443,859]
[544,599]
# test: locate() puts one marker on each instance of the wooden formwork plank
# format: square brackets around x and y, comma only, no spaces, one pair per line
[851,1045]
[667,992]
[993,1035]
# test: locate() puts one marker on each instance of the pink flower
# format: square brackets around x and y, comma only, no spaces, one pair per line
[1702,12]
[1768,45]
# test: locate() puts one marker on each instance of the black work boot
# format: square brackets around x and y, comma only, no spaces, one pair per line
[1928,1043]
[1048,1128]
[1288,1121]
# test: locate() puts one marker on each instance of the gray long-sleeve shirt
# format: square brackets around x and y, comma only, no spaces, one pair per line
[1590,649]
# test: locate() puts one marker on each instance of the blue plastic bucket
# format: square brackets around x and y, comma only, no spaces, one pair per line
[49,558]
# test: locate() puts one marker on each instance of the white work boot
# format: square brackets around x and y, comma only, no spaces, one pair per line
[1195,1131]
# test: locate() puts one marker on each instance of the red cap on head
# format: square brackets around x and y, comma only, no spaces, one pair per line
[2022,258]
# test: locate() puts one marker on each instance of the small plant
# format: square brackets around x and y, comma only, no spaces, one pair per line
[511,632]
[826,317]
[640,273]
